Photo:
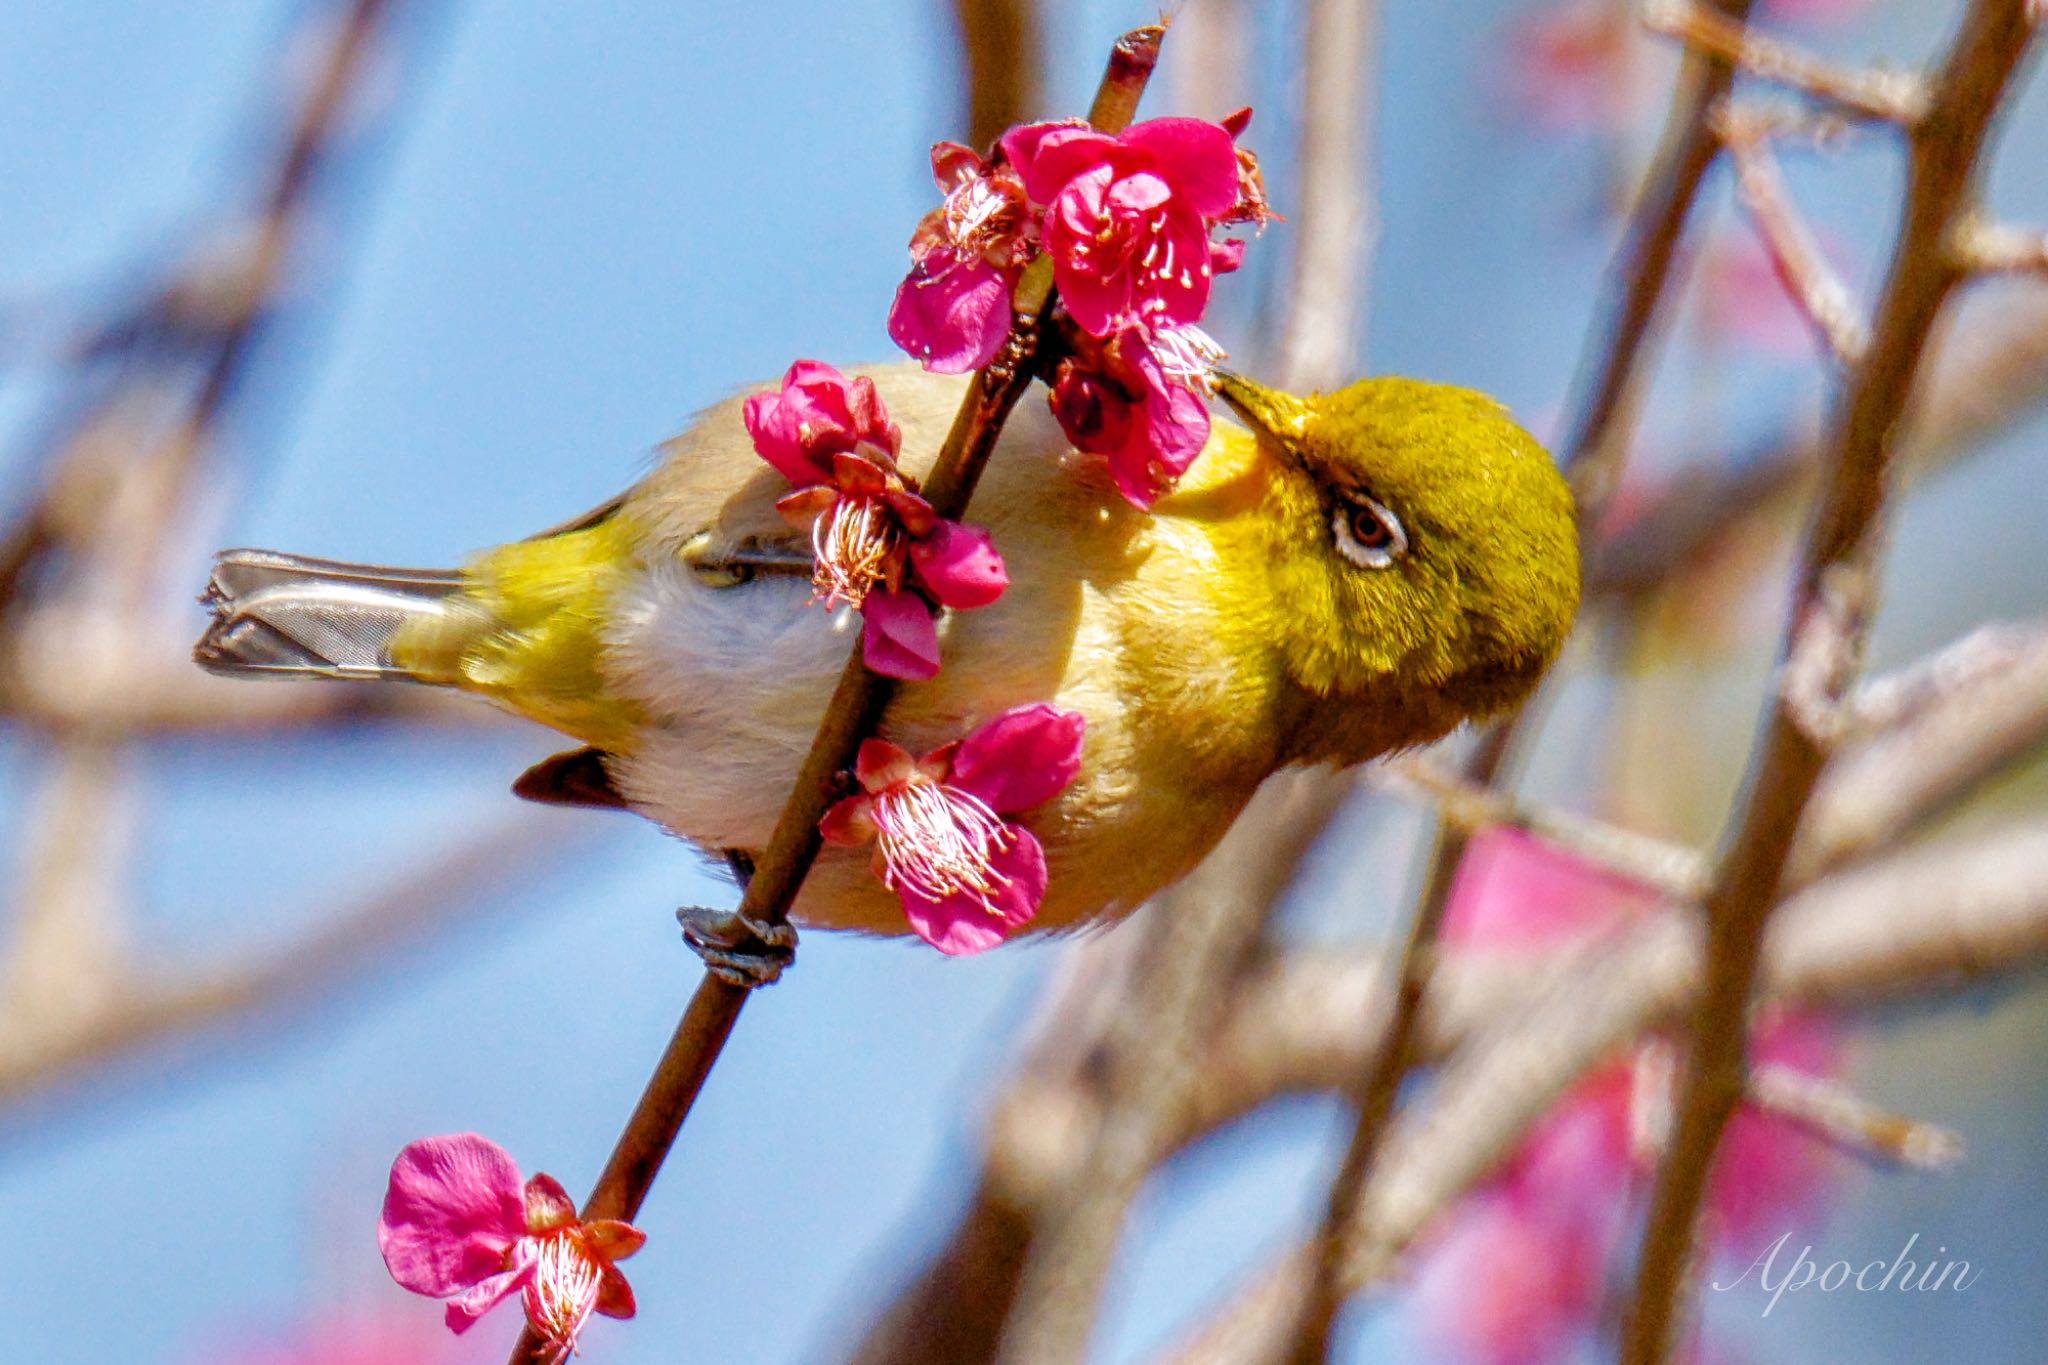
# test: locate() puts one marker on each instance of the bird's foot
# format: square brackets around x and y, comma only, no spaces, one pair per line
[736,949]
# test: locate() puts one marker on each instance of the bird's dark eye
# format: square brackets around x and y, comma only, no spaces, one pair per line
[1367,533]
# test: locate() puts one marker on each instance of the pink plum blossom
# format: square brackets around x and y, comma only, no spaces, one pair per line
[953,310]
[816,414]
[1137,402]
[459,1224]
[876,544]
[1127,217]
[1518,1271]
[967,877]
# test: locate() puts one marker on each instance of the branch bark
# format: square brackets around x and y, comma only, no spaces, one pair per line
[1838,564]
[855,709]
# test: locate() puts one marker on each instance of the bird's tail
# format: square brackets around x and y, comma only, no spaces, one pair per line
[279,615]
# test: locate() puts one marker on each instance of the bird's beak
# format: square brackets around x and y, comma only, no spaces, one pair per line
[1278,414]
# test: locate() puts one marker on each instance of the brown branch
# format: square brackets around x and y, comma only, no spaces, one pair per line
[1915,925]
[1826,302]
[855,708]
[1943,153]
[1878,93]
[1831,1110]
[1641,274]
[1670,870]
[1043,1272]
[37,1052]
[1980,379]
[1001,52]
[1205,929]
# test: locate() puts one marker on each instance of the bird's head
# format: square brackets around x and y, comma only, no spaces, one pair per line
[1421,560]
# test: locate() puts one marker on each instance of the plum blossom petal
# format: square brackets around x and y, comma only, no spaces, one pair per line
[460,1225]
[951,313]
[614,1295]
[962,924]
[1126,252]
[960,565]
[879,765]
[548,1205]
[453,1207]
[898,637]
[480,1298]
[1138,403]
[1199,157]
[952,310]
[1048,155]
[817,413]
[966,876]
[1023,757]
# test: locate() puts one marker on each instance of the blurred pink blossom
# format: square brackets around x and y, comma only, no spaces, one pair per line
[1520,1271]
[1567,66]
[1745,298]
[354,1338]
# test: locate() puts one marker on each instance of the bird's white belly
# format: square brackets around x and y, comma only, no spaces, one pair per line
[733,682]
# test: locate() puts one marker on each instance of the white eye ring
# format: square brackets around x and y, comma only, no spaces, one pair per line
[1387,543]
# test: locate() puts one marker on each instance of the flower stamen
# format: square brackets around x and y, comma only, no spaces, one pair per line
[1188,355]
[938,841]
[565,1284]
[852,543]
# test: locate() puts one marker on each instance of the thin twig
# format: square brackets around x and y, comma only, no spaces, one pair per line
[1593,460]
[1913,926]
[1001,51]
[1641,274]
[1830,1109]
[1984,247]
[1980,380]
[1672,871]
[1944,147]
[145,1012]
[1823,299]
[1880,94]
[1205,929]
[1947,736]
[855,708]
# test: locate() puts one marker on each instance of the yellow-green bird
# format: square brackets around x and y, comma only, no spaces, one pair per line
[1346,574]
